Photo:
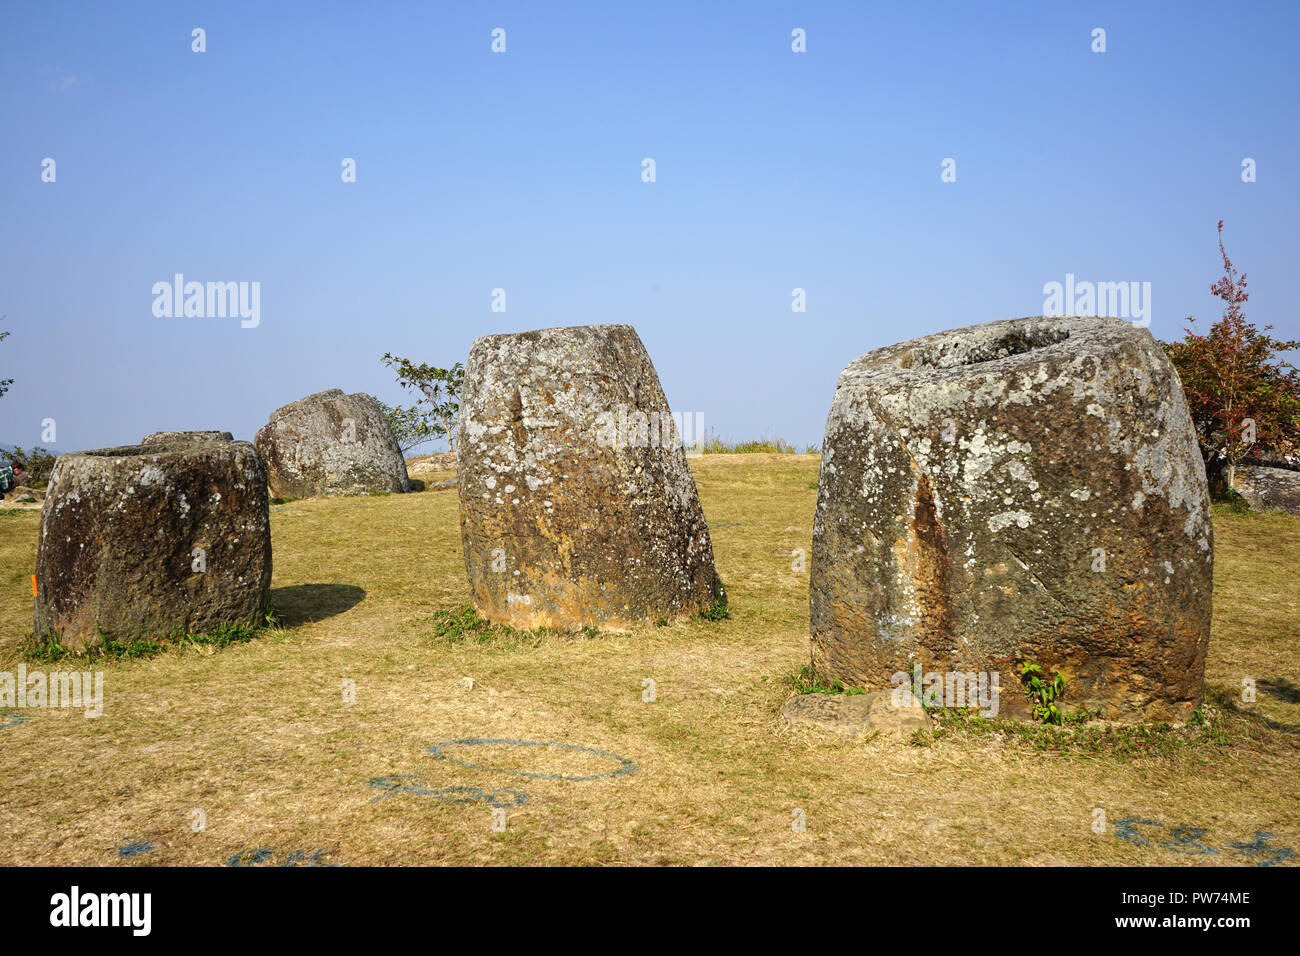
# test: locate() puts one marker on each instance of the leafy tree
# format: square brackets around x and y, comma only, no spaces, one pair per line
[4,382]
[39,461]
[410,426]
[435,413]
[1243,398]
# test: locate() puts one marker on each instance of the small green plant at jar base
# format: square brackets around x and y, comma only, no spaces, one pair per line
[1043,693]
[455,625]
[49,648]
[717,609]
[806,681]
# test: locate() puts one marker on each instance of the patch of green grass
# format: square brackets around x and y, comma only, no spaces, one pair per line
[465,622]
[49,649]
[46,649]
[461,623]
[282,501]
[223,636]
[1076,738]
[717,609]
[271,616]
[1230,503]
[112,649]
[804,681]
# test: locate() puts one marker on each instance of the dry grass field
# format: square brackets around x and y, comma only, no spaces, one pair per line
[258,737]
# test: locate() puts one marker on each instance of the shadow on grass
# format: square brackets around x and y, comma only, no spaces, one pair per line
[1282,689]
[1228,703]
[308,603]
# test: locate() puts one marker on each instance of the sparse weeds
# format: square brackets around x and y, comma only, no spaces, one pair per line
[464,623]
[461,623]
[1076,738]
[806,681]
[48,648]
[717,609]
[1230,502]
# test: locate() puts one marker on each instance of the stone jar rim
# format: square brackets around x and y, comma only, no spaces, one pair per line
[992,347]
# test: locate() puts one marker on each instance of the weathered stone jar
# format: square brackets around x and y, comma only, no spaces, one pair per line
[577,507]
[331,444]
[171,438]
[146,541]
[1025,491]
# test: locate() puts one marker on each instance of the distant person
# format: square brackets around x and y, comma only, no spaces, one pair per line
[11,476]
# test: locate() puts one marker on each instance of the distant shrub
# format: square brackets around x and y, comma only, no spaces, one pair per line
[714,445]
[39,462]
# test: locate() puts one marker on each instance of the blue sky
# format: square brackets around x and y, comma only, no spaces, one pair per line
[522,170]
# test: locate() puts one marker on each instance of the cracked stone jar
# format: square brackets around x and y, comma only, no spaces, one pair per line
[1027,491]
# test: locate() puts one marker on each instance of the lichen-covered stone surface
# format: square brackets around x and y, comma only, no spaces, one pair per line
[1024,491]
[167,438]
[124,529]
[1266,488]
[331,444]
[575,511]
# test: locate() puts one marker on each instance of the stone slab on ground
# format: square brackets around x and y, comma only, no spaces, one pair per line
[854,715]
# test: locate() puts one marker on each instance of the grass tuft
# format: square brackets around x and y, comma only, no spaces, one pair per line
[804,681]
[48,649]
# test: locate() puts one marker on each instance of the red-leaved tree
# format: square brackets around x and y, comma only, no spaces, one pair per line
[1244,400]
